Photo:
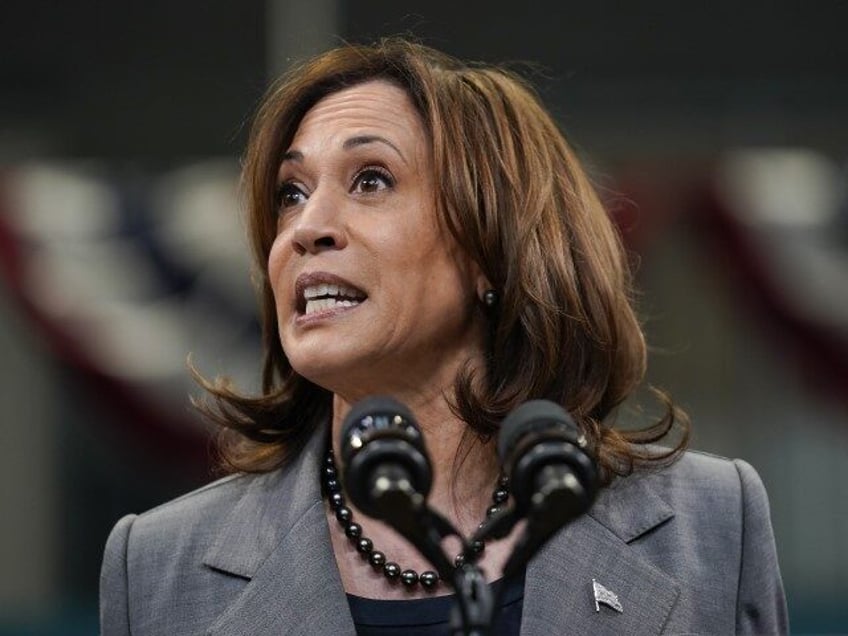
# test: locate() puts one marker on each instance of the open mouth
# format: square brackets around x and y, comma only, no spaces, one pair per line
[326,296]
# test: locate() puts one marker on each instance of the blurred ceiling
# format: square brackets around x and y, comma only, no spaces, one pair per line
[126,79]
[159,80]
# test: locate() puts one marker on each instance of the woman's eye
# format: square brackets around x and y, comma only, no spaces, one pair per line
[372,180]
[288,194]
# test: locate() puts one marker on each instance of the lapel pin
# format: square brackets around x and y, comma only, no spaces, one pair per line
[606,597]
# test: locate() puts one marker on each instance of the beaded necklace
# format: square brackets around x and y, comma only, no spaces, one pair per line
[393,572]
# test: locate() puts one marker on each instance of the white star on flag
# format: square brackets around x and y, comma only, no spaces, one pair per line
[605,596]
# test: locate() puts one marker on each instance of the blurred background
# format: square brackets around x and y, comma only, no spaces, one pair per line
[717,133]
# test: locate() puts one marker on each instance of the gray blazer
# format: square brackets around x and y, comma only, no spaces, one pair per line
[687,550]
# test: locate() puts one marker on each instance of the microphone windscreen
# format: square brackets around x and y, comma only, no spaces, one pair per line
[380,438]
[532,416]
[374,407]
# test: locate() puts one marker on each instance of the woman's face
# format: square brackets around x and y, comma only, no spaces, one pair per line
[372,295]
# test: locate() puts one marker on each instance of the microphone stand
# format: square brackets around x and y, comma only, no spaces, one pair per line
[562,494]
[476,605]
[397,478]
[560,500]
[425,529]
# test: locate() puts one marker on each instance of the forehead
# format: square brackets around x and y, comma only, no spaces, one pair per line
[374,107]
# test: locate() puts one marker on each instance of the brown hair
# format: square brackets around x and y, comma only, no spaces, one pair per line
[517,200]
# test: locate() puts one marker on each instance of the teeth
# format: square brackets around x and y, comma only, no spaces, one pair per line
[324,289]
[323,304]
[314,291]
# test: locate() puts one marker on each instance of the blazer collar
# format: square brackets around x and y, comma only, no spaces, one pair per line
[558,593]
[277,538]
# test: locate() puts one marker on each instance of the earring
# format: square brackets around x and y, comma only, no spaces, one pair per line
[490,298]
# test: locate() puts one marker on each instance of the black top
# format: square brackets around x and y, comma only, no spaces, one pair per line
[431,616]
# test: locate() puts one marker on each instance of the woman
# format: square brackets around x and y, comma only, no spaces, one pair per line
[422,230]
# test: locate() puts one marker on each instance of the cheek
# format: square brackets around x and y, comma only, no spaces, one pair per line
[437,283]
[277,261]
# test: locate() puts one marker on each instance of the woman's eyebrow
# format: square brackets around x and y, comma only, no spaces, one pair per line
[361,140]
[350,143]
[292,155]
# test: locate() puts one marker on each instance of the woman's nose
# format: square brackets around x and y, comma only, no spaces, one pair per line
[319,225]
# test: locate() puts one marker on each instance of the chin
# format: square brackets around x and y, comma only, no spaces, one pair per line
[319,368]
[342,378]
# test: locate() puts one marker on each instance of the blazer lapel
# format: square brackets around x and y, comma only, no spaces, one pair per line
[277,538]
[558,594]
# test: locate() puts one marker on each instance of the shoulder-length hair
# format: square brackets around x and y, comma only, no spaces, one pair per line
[516,199]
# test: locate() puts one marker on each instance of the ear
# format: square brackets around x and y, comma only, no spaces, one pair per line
[482,284]
[474,276]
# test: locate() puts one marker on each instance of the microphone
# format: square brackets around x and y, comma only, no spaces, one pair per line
[553,478]
[386,469]
[387,475]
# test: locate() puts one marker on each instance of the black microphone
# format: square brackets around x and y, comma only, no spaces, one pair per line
[386,469]
[546,457]
[552,475]
[387,475]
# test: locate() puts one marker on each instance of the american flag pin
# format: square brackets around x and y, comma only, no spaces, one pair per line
[606,597]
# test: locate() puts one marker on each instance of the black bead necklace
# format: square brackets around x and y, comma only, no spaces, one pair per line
[392,571]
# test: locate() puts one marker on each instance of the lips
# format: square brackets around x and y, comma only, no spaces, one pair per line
[322,291]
